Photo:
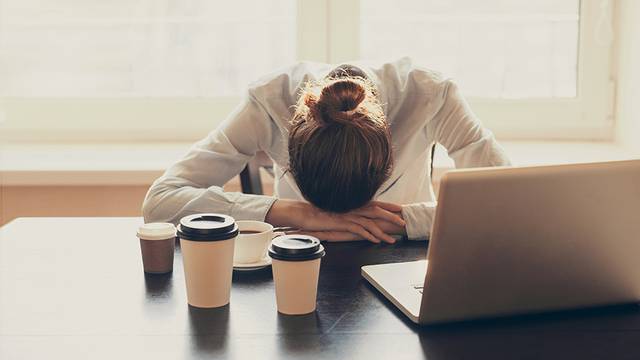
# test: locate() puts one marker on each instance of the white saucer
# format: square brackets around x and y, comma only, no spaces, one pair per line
[265,262]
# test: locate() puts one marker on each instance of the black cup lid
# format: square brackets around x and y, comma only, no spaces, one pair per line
[296,248]
[207,227]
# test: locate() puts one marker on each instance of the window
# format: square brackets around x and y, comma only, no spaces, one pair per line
[173,69]
[93,48]
[530,69]
[496,49]
[134,69]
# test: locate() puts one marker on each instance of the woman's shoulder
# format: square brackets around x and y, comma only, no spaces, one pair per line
[404,76]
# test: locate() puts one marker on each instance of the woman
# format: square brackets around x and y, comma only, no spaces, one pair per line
[350,147]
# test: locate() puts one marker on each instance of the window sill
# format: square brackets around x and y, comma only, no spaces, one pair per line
[139,164]
[115,164]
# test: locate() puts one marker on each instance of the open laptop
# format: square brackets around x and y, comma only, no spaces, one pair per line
[509,241]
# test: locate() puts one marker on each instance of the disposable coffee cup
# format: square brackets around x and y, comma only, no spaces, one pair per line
[296,267]
[252,242]
[207,243]
[157,244]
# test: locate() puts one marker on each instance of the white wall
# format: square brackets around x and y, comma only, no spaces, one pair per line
[628,74]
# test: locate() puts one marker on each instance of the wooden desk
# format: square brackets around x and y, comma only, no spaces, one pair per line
[73,288]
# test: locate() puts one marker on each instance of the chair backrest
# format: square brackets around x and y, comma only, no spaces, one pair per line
[250,180]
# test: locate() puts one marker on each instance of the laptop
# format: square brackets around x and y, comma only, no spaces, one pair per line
[509,241]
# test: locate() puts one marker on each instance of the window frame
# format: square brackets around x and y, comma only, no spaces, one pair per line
[588,116]
[326,32]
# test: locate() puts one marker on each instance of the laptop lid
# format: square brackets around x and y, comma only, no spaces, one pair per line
[520,240]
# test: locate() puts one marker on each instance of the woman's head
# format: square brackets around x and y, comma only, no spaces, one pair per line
[339,143]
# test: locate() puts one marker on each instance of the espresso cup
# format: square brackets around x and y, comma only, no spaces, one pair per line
[207,242]
[157,244]
[252,242]
[296,267]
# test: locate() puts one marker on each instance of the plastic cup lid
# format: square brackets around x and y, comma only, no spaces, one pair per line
[156,231]
[296,248]
[207,227]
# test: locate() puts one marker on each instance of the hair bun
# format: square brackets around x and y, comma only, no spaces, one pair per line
[339,101]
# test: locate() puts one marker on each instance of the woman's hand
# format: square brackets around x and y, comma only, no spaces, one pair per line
[374,221]
[387,227]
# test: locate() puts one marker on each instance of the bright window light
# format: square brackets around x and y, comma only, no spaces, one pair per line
[116,70]
[493,48]
[131,48]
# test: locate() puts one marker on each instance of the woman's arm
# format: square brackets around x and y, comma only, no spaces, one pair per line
[468,143]
[458,129]
[374,222]
[194,184]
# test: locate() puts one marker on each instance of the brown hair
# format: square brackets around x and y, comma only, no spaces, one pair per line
[339,143]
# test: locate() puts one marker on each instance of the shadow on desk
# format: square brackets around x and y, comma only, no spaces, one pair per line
[597,317]
[577,334]
[294,332]
[209,329]
[158,286]
[252,278]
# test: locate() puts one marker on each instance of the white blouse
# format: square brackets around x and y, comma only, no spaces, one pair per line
[421,107]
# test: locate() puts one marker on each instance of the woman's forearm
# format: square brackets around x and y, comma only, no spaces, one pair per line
[170,198]
[372,222]
[287,213]
[419,218]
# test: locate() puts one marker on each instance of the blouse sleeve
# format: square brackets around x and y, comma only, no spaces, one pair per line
[194,184]
[468,143]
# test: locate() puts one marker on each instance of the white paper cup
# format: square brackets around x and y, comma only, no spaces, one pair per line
[296,285]
[207,243]
[296,268]
[208,268]
[252,247]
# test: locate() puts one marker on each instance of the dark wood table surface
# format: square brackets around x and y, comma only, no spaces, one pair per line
[73,288]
